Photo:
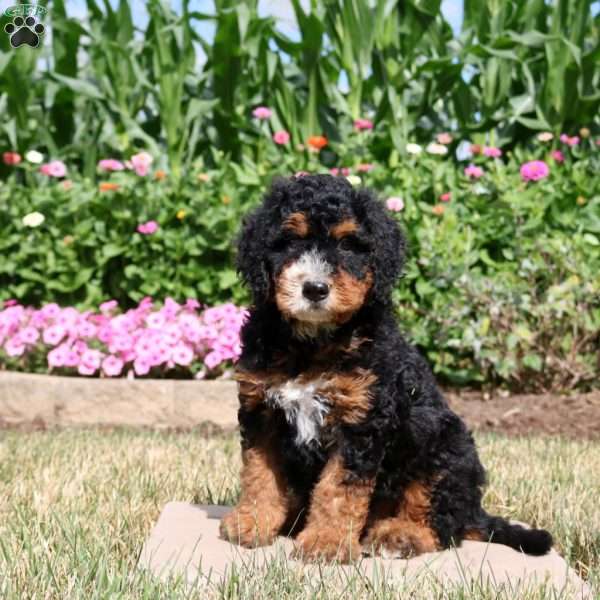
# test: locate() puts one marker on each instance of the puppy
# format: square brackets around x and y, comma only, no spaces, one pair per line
[346,441]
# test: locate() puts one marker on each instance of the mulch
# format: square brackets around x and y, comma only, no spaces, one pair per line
[575,415]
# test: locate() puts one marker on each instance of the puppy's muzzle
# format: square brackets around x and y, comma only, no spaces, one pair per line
[315,291]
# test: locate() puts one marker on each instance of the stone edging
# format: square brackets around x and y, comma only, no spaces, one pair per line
[74,401]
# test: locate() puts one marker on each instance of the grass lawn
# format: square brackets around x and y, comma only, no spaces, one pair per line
[76,506]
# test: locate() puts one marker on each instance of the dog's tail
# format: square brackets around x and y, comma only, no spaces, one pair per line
[500,531]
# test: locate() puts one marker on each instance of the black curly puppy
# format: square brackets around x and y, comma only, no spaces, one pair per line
[345,437]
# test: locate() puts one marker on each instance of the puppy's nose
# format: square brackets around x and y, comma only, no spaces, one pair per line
[315,290]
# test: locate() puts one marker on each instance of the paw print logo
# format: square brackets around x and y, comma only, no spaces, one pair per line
[24,31]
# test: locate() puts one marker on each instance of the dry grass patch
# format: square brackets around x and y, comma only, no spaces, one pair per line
[76,506]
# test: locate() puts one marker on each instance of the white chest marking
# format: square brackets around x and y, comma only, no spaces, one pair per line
[303,407]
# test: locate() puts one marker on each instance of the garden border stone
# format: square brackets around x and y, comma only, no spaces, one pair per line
[51,400]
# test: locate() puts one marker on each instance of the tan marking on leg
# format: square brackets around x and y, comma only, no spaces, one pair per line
[343,228]
[348,294]
[265,500]
[296,223]
[408,532]
[338,511]
[474,535]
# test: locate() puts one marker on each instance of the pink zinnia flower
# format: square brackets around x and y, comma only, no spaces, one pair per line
[534,170]
[335,171]
[474,171]
[301,173]
[446,197]
[492,152]
[362,124]
[558,156]
[112,366]
[147,228]
[444,138]
[570,141]
[364,167]
[55,168]
[110,164]
[11,158]
[262,113]
[141,163]
[395,203]
[281,137]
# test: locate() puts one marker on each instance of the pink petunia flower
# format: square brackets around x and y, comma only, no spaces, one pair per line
[29,335]
[474,172]
[395,203]
[262,113]
[56,357]
[141,366]
[446,197]
[182,355]
[55,168]
[108,306]
[558,156]
[212,359]
[444,138]
[53,335]
[141,163]
[534,170]
[112,366]
[364,167]
[492,152]
[301,173]
[363,124]
[110,164]
[14,347]
[148,228]
[281,137]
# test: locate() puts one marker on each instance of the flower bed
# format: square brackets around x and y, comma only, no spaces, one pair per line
[173,340]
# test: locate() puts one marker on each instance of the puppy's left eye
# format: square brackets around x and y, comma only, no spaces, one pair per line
[352,244]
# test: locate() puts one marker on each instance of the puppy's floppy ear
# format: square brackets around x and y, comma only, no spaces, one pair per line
[251,260]
[389,245]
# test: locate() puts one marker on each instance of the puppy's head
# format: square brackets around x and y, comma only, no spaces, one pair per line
[320,250]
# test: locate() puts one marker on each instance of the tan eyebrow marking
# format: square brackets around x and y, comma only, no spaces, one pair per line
[344,228]
[296,223]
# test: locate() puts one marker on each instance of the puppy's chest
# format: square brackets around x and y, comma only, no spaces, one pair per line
[306,406]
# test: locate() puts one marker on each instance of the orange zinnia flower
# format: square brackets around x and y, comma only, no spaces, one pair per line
[438,209]
[317,141]
[108,186]
[159,175]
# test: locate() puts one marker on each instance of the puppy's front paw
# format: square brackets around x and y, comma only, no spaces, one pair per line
[325,545]
[398,540]
[245,527]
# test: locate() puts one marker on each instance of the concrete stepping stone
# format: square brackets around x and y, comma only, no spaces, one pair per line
[185,542]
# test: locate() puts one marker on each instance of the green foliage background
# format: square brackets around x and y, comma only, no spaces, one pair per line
[104,86]
[502,288]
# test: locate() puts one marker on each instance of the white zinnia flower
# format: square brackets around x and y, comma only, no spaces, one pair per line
[434,148]
[34,219]
[354,179]
[413,148]
[35,157]
[545,136]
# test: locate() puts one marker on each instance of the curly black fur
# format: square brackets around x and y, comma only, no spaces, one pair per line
[410,433]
